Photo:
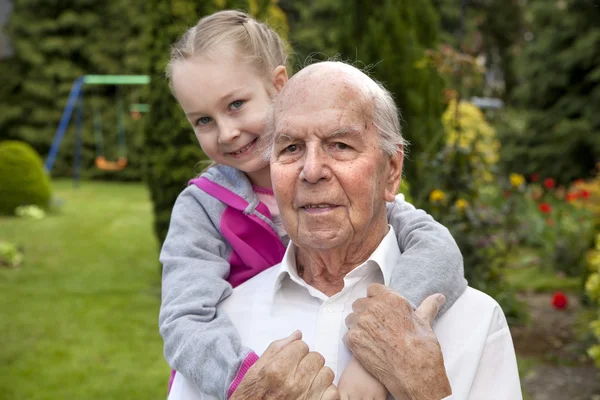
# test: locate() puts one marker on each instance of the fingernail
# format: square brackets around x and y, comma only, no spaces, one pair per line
[441,299]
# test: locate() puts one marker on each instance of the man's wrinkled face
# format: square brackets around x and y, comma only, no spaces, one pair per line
[329,175]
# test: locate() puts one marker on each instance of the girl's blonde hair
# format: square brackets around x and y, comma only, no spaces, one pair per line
[256,42]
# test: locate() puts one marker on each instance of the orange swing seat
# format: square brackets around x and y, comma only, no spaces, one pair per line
[103,164]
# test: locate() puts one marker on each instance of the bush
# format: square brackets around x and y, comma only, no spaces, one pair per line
[22,177]
[592,287]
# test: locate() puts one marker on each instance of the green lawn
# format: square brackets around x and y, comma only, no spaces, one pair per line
[79,318]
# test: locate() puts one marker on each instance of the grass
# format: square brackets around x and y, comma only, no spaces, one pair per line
[525,273]
[79,318]
[536,279]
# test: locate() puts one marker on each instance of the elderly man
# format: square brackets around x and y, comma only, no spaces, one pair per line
[336,158]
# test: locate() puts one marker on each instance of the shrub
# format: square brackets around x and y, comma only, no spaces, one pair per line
[468,132]
[592,287]
[11,255]
[22,177]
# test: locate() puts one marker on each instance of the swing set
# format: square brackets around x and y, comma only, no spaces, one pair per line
[76,102]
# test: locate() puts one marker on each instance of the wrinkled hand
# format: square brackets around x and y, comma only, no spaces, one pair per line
[356,383]
[396,345]
[288,371]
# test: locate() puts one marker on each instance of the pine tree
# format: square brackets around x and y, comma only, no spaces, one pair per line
[173,155]
[559,72]
[484,27]
[53,45]
[392,37]
[315,33]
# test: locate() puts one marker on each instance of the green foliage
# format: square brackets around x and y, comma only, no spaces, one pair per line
[315,33]
[22,177]
[485,27]
[537,279]
[391,37]
[559,73]
[53,45]
[172,152]
[467,131]
[555,225]
[592,287]
[10,255]
[30,212]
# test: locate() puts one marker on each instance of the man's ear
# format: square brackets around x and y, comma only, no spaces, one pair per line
[394,175]
[279,77]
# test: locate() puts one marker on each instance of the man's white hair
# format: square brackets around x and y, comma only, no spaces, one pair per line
[385,114]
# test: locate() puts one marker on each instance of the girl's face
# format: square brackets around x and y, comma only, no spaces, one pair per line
[226,102]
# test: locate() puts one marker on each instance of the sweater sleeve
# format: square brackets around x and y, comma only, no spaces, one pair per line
[431,261]
[200,341]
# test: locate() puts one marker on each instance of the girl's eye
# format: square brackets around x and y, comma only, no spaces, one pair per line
[236,104]
[203,121]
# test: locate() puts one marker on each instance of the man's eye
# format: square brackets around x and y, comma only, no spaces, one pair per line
[203,121]
[292,148]
[341,146]
[236,104]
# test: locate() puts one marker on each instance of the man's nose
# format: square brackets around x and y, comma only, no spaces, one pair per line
[228,132]
[315,166]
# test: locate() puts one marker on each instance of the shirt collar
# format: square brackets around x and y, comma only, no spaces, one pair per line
[386,256]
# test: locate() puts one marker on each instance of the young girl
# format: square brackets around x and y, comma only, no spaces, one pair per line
[225,227]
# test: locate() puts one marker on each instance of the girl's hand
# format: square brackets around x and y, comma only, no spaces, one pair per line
[356,383]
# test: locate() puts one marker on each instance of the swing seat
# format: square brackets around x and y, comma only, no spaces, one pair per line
[103,164]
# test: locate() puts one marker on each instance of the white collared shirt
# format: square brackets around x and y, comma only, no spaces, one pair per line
[476,344]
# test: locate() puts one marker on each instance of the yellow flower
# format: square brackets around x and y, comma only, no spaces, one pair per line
[516,180]
[461,204]
[436,196]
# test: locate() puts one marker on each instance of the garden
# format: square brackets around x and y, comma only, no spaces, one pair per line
[499,102]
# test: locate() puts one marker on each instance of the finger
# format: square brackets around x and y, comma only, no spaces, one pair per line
[321,383]
[305,374]
[332,393]
[351,320]
[375,288]
[311,364]
[293,353]
[276,346]
[430,307]
[360,304]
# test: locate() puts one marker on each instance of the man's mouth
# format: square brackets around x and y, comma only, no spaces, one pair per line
[243,149]
[318,208]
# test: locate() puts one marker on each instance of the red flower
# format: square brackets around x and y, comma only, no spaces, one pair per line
[571,197]
[559,301]
[549,183]
[585,194]
[545,208]
[535,177]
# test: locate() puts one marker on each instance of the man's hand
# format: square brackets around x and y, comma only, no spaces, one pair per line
[397,346]
[287,370]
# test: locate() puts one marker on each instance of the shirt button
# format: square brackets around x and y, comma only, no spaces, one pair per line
[330,310]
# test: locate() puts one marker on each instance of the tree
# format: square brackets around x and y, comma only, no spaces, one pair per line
[391,37]
[172,152]
[484,27]
[559,71]
[53,45]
